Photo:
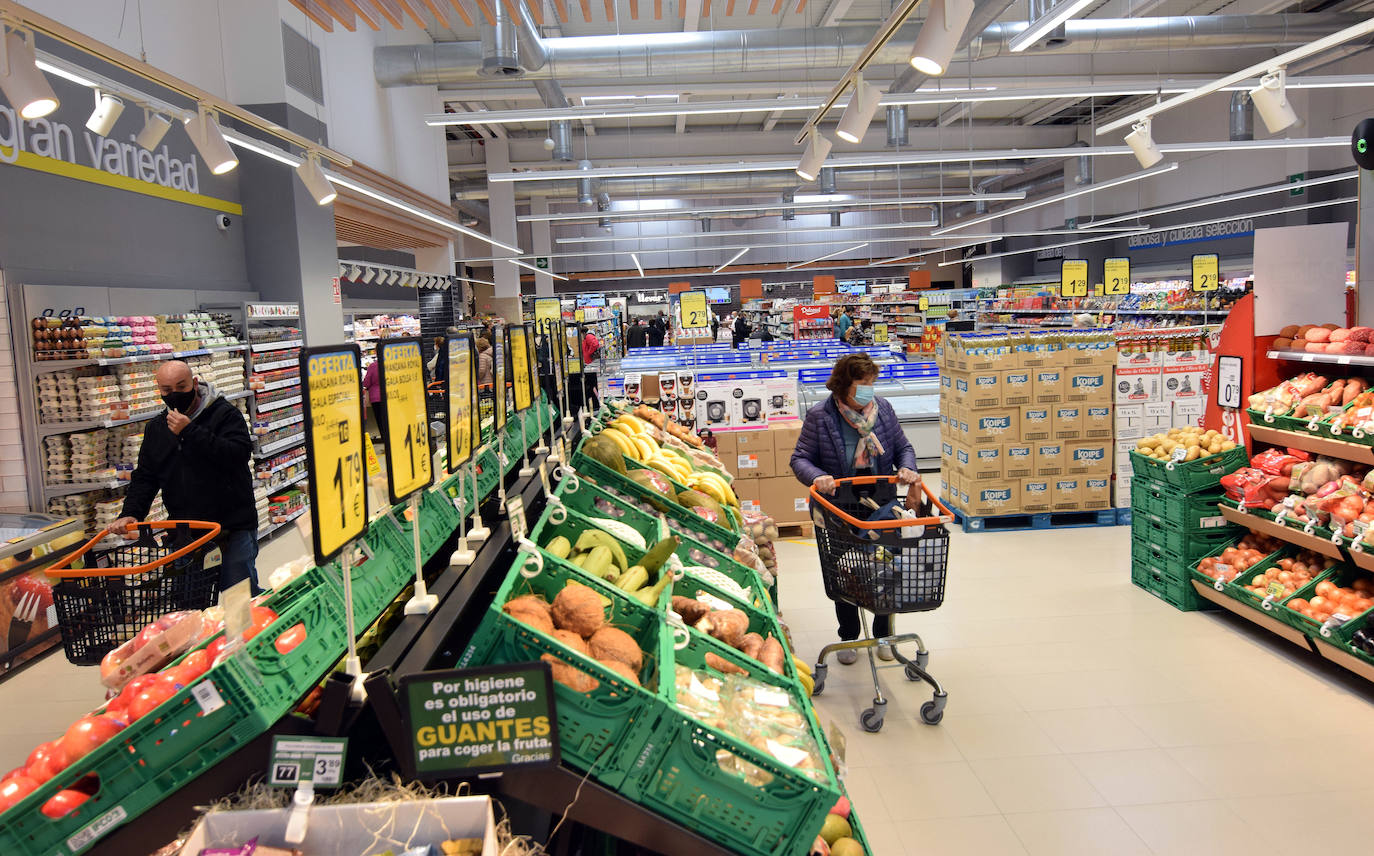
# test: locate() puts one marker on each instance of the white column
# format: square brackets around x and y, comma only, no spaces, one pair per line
[502,204]
[542,238]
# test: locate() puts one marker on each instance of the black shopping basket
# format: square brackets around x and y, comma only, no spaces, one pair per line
[167,568]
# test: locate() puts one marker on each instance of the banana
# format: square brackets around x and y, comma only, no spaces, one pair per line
[646,447]
[717,488]
[808,683]
[622,442]
[803,667]
[622,532]
[590,539]
[634,579]
[659,553]
[707,487]
[634,423]
[558,547]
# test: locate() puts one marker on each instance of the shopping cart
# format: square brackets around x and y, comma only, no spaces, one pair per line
[885,559]
[171,565]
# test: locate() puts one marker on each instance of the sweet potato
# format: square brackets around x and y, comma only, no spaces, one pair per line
[1318,334]
[1353,387]
[727,625]
[720,664]
[691,610]
[751,645]
[1291,331]
[771,655]
[1283,344]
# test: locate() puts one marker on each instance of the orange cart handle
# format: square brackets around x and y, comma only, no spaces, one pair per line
[62,570]
[946,517]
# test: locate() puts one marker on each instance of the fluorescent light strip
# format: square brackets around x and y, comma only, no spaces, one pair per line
[519,263]
[733,259]
[638,266]
[1058,14]
[1229,197]
[1289,210]
[739,233]
[753,246]
[983,239]
[778,206]
[1060,197]
[66,74]
[828,256]
[913,159]
[1314,47]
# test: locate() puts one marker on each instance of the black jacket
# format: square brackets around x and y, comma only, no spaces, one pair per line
[742,330]
[637,337]
[657,329]
[203,473]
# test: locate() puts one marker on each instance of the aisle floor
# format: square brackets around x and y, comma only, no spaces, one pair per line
[1087,717]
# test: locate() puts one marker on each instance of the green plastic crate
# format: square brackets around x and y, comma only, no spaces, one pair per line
[1341,575]
[1169,507]
[1190,477]
[1284,423]
[1344,643]
[1197,575]
[760,621]
[606,731]
[1167,580]
[1178,545]
[177,741]
[1237,588]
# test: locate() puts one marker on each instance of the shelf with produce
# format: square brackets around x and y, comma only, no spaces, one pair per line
[47,366]
[1360,453]
[1274,529]
[1103,310]
[284,443]
[277,405]
[261,347]
[49,429]
[1250,613]
[1333,359]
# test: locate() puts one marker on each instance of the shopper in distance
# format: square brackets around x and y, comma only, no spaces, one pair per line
[657,328]
[197,455]
[851,433]
[638,335]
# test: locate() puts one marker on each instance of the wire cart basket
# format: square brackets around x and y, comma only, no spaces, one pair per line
[170,566]
[884,559]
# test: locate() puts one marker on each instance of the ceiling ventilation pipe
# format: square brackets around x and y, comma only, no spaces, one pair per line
[897,127]
[500,55]
[827,179]
[560,132]
[1242,116]
[1054,38]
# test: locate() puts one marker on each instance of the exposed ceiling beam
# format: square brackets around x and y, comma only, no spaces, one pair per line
[1042,112]
[834,12]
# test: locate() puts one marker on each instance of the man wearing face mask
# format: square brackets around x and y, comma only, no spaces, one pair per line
[853,433]
[197,454]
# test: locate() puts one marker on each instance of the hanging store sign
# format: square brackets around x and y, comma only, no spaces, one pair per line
[1073,278]
[1116,277]
[1238,228]
[1205,273]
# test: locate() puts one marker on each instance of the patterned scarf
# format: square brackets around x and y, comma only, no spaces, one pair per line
[863,421]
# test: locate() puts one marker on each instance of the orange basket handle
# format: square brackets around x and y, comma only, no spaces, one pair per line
[62,570]
[946,517]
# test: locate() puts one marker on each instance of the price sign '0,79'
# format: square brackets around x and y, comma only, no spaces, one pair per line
[334,446]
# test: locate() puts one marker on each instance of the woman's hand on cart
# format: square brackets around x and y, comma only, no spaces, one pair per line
[123,525]
[825,485]
[908,476]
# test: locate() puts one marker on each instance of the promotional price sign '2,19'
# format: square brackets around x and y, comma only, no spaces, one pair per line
[408,464]
[499,369]
[1205,273]
[334,447]
[1073,278]
[463,426]
[1116,277]
[518,358]
[692,307]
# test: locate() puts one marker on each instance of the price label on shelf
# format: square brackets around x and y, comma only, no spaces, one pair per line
[463,425]
[692,308]
[1205,273]
[518,358]
[298,760]
[1073,278]
[1116,277]
[334,446]
[409,466]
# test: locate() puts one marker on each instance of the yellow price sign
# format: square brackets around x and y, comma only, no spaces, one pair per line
[573,336]
[1116,277]
[880,334]
[1206,273]
[580,316]
[923,304]
[547,309]
[692,309]
[463,423]
[518,356]
[333,402]
[554,331]
[408,464]
[1073,278]
[499,369]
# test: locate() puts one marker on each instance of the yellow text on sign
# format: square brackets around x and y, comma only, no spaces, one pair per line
[692,306]
[407,428]
[336,436]
[520,368]
[1116,277]
[923,304]
[1205,273]
[1073,279]
[460,402]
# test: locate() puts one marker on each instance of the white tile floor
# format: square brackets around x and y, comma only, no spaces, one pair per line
[1085,716]
[1088,717]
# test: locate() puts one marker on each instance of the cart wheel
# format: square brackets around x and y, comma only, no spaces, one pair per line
[922,657]
[818,676]
[871,720]
[911,673]
[933,711]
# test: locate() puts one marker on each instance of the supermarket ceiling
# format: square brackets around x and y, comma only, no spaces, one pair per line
[670,103]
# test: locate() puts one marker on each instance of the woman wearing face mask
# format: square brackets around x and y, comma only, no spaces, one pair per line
[853,433]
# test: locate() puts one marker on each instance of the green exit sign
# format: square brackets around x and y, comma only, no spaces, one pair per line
[1297,178]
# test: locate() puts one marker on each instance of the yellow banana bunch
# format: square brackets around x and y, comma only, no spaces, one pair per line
[631,424]
[713,486]
[625,442]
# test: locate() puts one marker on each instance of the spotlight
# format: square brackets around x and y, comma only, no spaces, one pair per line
[817,150]
[858,115]
[315,180]
[106,113]
[353,272]
[1271,100]
[209,141]
[940,35]
[1143,144]
[155,127]
[369,275]
[21,81]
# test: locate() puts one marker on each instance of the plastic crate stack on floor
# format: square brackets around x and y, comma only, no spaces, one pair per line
[1175,522]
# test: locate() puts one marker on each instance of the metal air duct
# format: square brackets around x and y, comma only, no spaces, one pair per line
[500,55]
[561,134]
[1242,116]
[897,123]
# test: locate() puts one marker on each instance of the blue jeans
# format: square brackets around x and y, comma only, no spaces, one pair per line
[240,550]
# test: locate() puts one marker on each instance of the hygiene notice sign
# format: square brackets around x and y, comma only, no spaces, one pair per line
[408,464]
[463,721]
[334,447]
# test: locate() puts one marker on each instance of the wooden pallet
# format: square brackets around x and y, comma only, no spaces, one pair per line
[796,530]
[1046,520]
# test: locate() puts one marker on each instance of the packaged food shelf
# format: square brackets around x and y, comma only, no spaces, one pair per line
[277,446]
[269,406]
[260,347]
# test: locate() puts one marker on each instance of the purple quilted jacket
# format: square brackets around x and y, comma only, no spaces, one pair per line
[820,449]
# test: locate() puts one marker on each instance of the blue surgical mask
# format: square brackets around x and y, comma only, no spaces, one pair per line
[863,394]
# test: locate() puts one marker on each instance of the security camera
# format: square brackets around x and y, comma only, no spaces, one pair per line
[222,222]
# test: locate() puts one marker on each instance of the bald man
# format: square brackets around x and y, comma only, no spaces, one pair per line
[197,454]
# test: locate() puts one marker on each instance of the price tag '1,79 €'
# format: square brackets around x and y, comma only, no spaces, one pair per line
[334,446]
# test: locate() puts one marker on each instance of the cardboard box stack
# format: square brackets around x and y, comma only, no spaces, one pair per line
[1027,422]
[1159,377]
[761,461]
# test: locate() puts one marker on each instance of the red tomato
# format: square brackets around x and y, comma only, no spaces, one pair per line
[151,696]
[287,642]
[87,733]
[14,790]
[46,761]
[63,803]
[146,635]
[16,772]
[262,616]
[216,648]
[196,663]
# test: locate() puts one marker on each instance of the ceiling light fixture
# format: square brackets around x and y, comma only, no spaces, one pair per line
[315,181]
[353,271]
[105,114]
[1226,197]
[940,35]
[1271,100]
[1060,197]
[817,150]
[205,133]
[740,233]
[155,127]
[1037,29]
[853,204]
[1142,143]
[529,266]
[858,114]
[638,266]
[369,274]
[1267,67]
[733,259]
[829,256]
[24,85]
